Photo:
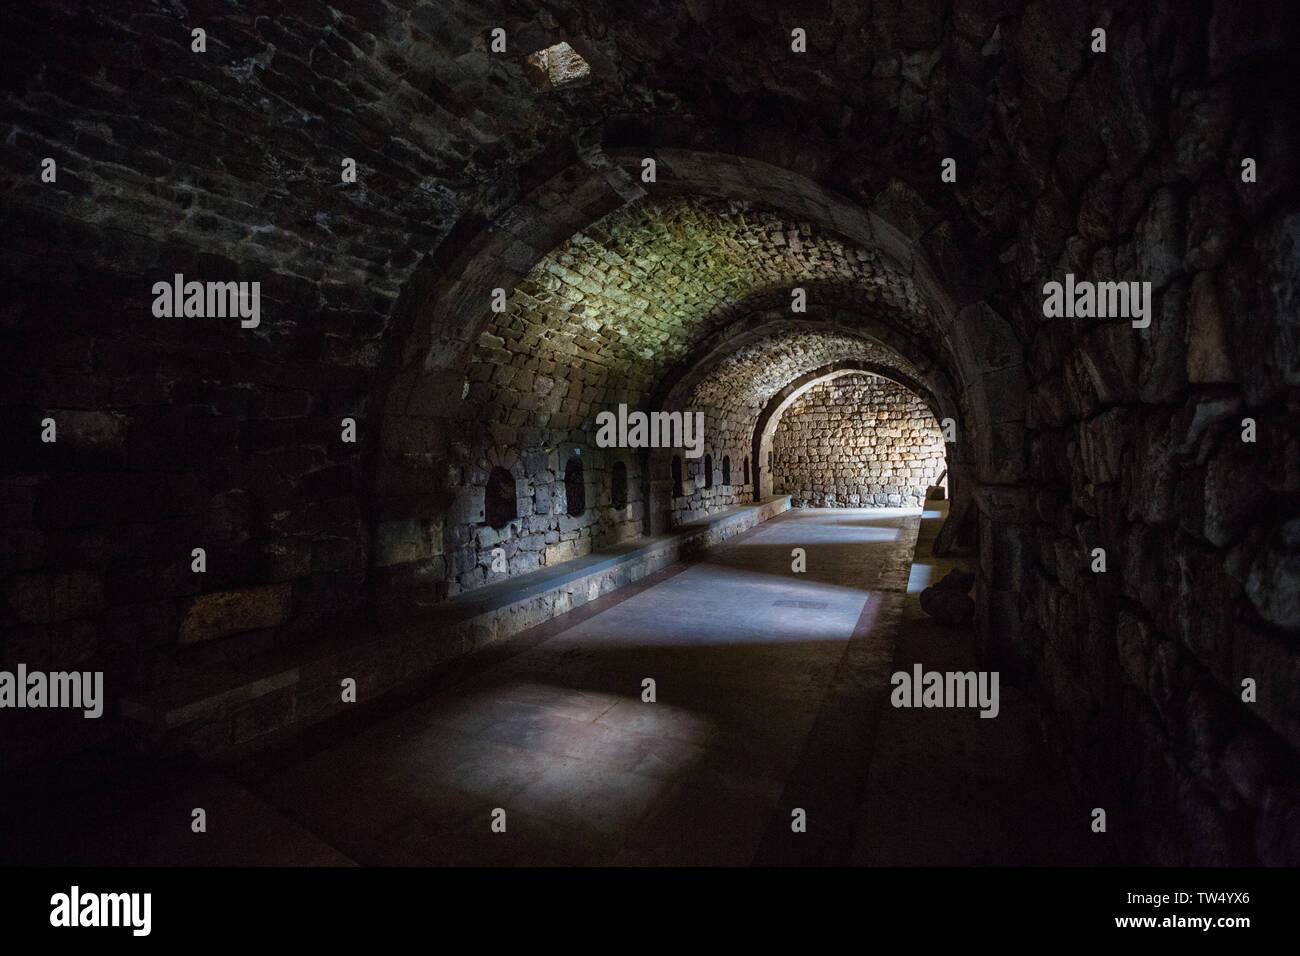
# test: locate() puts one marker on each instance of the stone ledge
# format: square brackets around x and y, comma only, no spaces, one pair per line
[219,709]
[681,541]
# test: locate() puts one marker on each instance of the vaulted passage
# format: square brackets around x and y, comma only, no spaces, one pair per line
[705,432]
[857,440]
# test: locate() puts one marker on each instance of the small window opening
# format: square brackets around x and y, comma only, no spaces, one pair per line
[499,504]
[575,493]
[618,485]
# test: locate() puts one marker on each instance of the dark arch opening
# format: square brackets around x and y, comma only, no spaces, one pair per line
[745,474]
[575,492]
[499,504]
[726,469]
[708,471]
[677,476]
[618,485]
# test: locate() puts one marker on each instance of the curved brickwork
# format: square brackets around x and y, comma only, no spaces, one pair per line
[857,441]
[598,323]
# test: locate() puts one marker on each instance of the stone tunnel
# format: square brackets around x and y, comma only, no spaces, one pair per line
[311,315]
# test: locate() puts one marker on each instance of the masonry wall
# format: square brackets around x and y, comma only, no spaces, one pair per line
[183,433]
[857,441]
[698,500]
[1123,165]
[468,552]
[733,394]
[1136,435]
[727,431]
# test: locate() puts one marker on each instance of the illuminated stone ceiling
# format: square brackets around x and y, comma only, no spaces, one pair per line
[605,316]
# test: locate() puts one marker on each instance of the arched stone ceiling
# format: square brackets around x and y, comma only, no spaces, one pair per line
[758,370]
[609,312]
[734,393]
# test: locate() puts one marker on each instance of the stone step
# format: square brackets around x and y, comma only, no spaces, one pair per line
[218,708]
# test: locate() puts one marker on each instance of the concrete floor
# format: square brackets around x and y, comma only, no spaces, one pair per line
[771,694]
[744,654]
[948,788]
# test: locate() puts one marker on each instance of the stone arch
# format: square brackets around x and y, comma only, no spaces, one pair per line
[776,407]
[448,309]
[1124,164]
[431,364]
[862,343]
[853,438]
[756,324]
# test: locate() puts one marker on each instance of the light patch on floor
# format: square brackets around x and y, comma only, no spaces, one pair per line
[743,651]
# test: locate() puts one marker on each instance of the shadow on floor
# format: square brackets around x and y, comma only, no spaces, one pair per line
[769,693]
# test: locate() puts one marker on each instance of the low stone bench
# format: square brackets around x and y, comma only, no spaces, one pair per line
[232,706]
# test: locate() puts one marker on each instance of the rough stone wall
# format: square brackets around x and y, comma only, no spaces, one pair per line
[732,396]
[622,301]
[183,433]
[728,429]
[857,441]
[697,501]
[1120,165]
[543,534]
[1135,435]
[177,433]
